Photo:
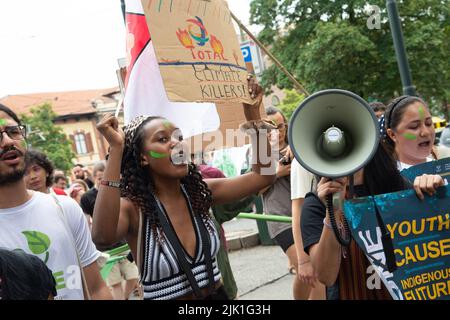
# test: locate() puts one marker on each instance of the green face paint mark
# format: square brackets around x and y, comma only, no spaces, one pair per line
[421,113]
[410,136]
[157,155]
[166,124]
[2,122]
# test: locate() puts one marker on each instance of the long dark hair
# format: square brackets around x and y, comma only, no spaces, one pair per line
[138,185]
[381,174]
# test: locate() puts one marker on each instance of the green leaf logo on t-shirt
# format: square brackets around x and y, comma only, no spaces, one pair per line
[38,242]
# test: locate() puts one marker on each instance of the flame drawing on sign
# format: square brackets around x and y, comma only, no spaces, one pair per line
[185,39]
[216,45]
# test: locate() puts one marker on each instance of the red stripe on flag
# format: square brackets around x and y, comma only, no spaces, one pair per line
[138,37]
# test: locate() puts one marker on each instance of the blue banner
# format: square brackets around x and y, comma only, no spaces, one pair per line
[420,233]
[440,167]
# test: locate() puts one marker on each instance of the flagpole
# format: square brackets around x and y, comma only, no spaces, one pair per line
[297,84]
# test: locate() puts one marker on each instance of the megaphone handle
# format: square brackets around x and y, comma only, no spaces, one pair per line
[344,242]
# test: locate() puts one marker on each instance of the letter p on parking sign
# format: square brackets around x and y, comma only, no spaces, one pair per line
[246,53]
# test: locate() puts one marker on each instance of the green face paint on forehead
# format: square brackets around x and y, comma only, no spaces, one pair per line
[166,124]
[157,155]
[2,122]
[421,113]
[410,136]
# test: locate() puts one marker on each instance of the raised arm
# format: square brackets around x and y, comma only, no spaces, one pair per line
[225,190]
[111,214]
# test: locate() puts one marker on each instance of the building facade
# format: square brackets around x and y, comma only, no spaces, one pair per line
[77,114]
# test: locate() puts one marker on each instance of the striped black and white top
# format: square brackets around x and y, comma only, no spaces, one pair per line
[162,276]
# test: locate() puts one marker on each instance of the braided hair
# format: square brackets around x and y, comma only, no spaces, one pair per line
[138,185]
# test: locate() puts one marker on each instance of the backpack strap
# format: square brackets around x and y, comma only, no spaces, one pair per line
[61,213]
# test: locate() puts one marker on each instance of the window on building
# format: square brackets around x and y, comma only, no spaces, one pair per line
[81,142]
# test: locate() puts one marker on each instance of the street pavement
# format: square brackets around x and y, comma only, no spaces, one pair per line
[261,271]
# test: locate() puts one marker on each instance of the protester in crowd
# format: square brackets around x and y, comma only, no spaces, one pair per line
[25,277]
[81,172]
[349,271]
[302,182]
[378,108]
[174,202]
[39,173]
[277,199]
[124,270]
[409,132]
[59,181]
[55,222]
[76,190]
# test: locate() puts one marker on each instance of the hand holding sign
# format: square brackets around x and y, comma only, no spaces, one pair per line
[255,91]
[427,183]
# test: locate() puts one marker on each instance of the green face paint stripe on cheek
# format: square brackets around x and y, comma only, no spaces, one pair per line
[410,136]
[421,113]
[157,155]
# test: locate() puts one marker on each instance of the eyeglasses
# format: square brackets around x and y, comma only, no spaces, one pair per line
[14,132]
[277,126]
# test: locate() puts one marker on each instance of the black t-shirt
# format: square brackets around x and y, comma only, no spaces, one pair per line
[313,213]
[89,183]
[87,202]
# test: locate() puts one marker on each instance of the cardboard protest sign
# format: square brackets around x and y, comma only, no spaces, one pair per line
[197,50]
[420,233]
[440,167]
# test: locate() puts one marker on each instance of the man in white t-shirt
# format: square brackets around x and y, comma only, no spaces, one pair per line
[35,223]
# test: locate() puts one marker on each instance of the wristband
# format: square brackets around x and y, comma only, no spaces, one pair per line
[114,184]
[326,224]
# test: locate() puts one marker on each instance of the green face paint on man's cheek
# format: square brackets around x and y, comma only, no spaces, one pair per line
[410,136]
[2,122]
[157,155]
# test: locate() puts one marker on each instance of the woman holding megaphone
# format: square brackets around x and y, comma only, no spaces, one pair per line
[347,270]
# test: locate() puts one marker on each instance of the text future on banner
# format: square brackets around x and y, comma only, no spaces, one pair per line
[420,233]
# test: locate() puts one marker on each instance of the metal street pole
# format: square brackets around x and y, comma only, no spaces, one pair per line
[402,59]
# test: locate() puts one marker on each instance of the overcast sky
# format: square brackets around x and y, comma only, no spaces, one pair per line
[62,45]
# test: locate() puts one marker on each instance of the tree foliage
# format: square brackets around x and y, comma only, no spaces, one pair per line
[48,137]
[327,44]
[291,101]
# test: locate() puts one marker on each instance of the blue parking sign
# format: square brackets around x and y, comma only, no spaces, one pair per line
[246,53]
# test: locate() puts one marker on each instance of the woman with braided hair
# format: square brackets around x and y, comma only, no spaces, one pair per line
[164,198]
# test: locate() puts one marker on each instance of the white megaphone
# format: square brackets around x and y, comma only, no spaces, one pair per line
[333,133]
